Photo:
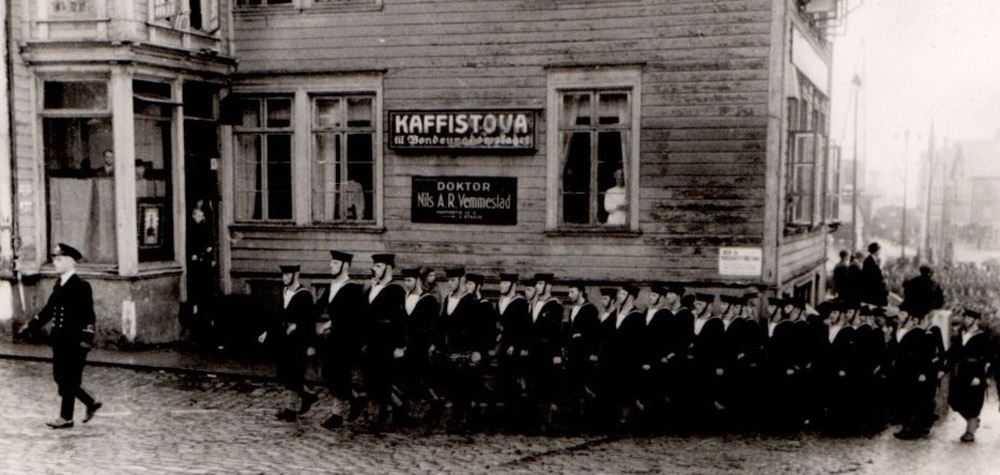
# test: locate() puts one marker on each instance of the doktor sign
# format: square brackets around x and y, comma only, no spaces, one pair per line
[463,130]
[464,200]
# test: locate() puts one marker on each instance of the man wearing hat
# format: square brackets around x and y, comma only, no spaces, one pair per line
[873,289]
[514,319]
[71,308]
[291,336]
[340,312]
[545,346]
[914,376]
[653,349]
[970,355]
[923,293]
[422,333]
[621,360]
[470,336]
[582,350]
[385,338]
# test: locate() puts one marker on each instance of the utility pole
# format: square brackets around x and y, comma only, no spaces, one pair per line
[930,184]
[906,184]
[856,82]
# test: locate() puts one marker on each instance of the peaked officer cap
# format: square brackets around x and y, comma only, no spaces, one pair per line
[289,268]
[68,251]
[387,259]
[968,312]
[341,256]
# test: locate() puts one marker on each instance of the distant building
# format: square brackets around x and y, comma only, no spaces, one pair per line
[964,189]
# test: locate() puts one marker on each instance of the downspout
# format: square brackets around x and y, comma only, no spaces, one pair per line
[6,174]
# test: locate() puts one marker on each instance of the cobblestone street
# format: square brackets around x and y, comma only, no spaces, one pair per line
[161,422]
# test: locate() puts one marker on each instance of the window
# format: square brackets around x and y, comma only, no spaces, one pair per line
[263,150]
[79,167]
[197,15]
[241,3]
[153,110]
[832,212]
[343,165]
[593,149]
[810,170]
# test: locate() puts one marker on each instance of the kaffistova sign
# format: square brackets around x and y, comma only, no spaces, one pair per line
[464,200]
[463,130]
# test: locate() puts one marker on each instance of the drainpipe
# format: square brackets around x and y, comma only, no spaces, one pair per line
[6,176]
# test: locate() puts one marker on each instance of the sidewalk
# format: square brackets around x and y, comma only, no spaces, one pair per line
[179,360]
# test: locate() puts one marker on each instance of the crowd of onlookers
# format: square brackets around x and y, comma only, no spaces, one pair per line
[964,285]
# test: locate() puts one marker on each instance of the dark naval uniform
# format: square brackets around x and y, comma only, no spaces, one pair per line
[545,342]
[342,306]
[584,343]
[514,322]
[71,309]
[970,359]
[384,330]
[291,348]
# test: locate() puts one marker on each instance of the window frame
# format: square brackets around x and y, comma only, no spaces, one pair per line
[262,131]
[302,88]
[808,115]
[605,79]
[343,132]
[43,210]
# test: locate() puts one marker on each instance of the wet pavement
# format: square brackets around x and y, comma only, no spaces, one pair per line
[165,422]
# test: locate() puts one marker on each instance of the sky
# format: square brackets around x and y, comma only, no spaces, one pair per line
[920,62]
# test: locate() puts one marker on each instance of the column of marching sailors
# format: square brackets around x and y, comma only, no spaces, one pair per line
[685,362]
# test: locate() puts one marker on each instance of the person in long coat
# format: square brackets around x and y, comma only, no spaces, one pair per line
[340,312]
[971,356]
[71,309]
[873,288]
[290,335]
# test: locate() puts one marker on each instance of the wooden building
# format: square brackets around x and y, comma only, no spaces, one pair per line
[605,140]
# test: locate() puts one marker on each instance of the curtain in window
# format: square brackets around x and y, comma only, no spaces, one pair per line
[82,211]
[248,186]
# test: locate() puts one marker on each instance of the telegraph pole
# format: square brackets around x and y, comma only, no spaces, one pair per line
[856,82]
[906,184]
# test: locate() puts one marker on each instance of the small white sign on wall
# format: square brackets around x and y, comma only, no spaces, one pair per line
[740,261]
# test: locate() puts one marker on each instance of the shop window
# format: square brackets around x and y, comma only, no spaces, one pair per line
[343,165]
[153,114]
[79,167]
[263,152]
[594,147]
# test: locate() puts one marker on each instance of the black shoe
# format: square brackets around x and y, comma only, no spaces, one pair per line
[308,399]
[91,411]
[59,423]
[287,415]
[335,421]
[357,407]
